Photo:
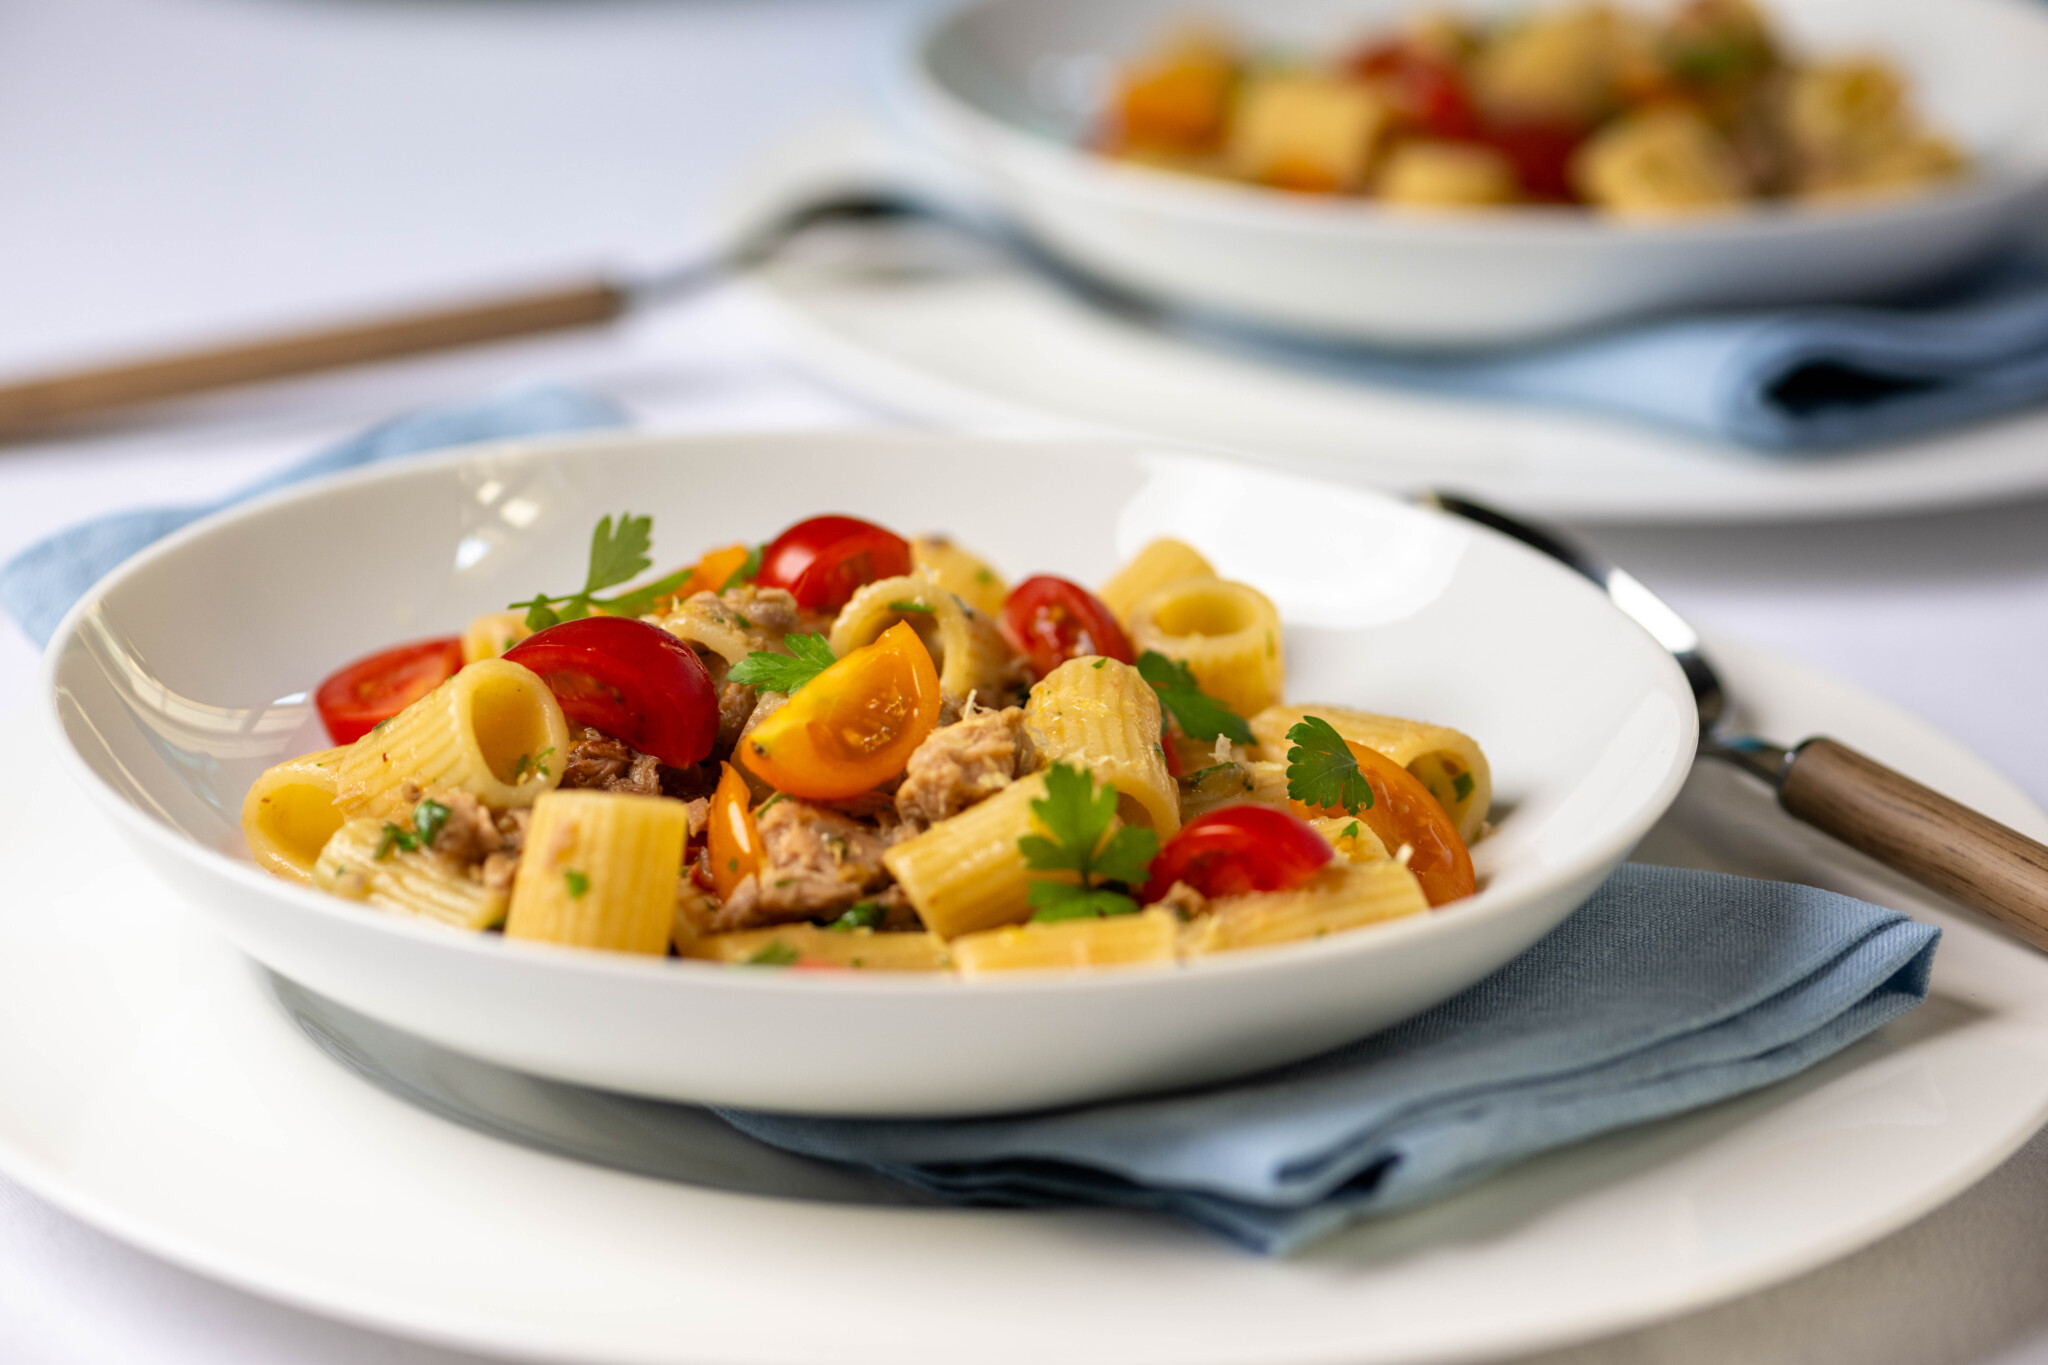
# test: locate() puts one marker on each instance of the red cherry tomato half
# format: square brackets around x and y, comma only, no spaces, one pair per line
[825,560]
[631,680]
[1049,621]
[1238,850]
[1542,153]
[1425,92]
[359,698]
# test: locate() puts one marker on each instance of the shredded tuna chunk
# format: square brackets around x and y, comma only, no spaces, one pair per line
[736,703]
[773,610]
[964,763]
[815,863]
[485,845]
[599,761]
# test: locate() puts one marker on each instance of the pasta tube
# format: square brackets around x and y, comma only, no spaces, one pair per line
[289,814]
[1148,936]
[1446,761]
[967,576]
[1354,840]
[864,949]
[600,871]
[1228,634]
[1162,562]
[964,643]
[493,730]
[492,634]
[967,873]
[1342,896]
[1100,714]
[705,621]
[359,863]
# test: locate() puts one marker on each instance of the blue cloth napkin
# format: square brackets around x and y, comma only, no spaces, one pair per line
[1670,989]
[1798,380]
[39,585]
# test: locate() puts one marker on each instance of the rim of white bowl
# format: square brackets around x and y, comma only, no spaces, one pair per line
[708,975]
[2009,179]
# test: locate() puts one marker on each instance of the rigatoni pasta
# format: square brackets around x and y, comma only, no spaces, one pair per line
[845,751]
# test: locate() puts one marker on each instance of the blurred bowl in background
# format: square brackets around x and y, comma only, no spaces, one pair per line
[1011,90]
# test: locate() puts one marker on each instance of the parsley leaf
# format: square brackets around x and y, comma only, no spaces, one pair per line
[907,604]
[618,554]
[394,837]
[776,954]
[1053,901]
[865,915]
[427,818]
[1201,716]
[1462,785]
[1078,815]
[748,571]
[577,882]
[537,762]
[782,672]
[1322,770]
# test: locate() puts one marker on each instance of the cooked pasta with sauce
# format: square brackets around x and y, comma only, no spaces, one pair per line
[1702,109]
[843,750]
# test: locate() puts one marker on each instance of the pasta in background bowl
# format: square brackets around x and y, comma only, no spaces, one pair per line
[187,675]
[1017,92]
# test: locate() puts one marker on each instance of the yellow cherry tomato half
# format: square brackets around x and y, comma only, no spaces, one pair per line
[733,839]
[852,727]
[1404,812]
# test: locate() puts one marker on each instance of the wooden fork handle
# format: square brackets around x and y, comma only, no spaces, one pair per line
[1922,833]
[37,402]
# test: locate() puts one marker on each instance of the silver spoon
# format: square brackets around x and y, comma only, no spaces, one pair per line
[1937,842]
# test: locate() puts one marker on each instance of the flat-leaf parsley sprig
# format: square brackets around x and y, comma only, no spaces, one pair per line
[1201,716]
[618,554]
[1078,815]
[1321,769]
[809,655]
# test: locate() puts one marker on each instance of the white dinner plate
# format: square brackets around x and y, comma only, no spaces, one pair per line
[151,1083]
[185,673]
[934,329]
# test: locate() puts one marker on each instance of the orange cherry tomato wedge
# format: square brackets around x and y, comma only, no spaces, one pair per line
[362,696]
[1403,812]
[853,726]
[733,837]
[714,570]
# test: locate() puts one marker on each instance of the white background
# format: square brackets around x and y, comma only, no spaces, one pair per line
[181,169]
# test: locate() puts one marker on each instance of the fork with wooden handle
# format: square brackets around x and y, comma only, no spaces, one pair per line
[32,404]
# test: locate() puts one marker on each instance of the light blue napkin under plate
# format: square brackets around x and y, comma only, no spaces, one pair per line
[1791,381]
[1669,990]
[39,585]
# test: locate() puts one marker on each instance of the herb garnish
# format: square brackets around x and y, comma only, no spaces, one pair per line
[1322,770]
[1201,716]
[747,572]
[1462,785]
[618,554]
[427,818]
[773,797]
[538,762]
[776,954]
[782,672]
[394,837]
[1078,816]
[907,604]
[866,915]
[577,882]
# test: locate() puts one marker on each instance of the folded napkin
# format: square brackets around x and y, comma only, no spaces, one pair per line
[39,585]
[1785,380]
[1670,989]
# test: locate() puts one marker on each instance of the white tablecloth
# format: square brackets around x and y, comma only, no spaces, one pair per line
[188,168]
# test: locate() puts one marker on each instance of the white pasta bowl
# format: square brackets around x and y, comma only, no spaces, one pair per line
[186,673]
[1011,88]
